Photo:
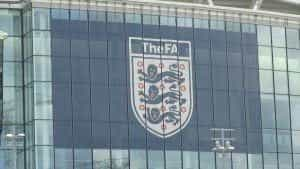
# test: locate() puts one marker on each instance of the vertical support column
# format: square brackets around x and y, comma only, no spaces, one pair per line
[3,36]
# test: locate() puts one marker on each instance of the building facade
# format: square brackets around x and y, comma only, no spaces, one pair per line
[113,85]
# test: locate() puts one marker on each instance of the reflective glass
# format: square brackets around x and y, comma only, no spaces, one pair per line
[156,159]
[270,161]
[82,159]
[101,158]
[43,100]
[12,50]
[264,35]
[41,18]
[201,23]
[269,140]
[12,105]
[294,81]
[223,161]
[63,158]
[190,160]
[119,159]
[41,43]
[217,25]
[11,159]
[294,60]
[255,161]
[278,36]
[12,74]
[138,159]
[296,159]
[10,21]
[295,112]
[239,161]
[282,111]
[42,68]
[265,57]
[150,19]
[43,132]
[279,59]
[266,81]
[284,141]
[207,160]
[267,110]
[173,159]
[293,38]
[296,141]
[281,82]
[133,18]
[285,161]
[44,157]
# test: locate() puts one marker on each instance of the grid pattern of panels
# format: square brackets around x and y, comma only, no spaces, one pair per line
[90,92]
[11,116]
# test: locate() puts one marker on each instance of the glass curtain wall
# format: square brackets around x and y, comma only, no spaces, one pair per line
[78,110]
[11,119]
[38,89]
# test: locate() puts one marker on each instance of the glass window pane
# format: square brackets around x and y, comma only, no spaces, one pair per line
[173,159]
[263,35]
[267,110]
[285,161]
[155,159]
[12,49]
[279,58]
[255,161]
[115,17]
[239,161]
[41,43]
[150,19]
[201,23]
[294,60]
[296,159]
[10,21]
[278,36]
[296,141]
[119,159]
[190,160]
[44,157]
[137,159]
[207,160]
[223,161]
[63,158]
[42,68]
[101,158]
[43,100]
[293,38]
[82,159]
[133,18]
[12,74]
[282,111]
[269,140]
[217,25]
[270,161]
[12,105]
[266,81]
[43,132]
[294,81]
[265,57]
[41,18]
[281,84]
[295,111]
[284,141]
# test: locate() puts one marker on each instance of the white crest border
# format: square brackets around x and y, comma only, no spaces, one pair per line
[132,85]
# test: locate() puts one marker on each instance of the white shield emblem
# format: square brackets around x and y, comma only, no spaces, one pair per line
[161,84]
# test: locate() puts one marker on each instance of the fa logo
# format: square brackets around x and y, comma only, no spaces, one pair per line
[161,85]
